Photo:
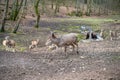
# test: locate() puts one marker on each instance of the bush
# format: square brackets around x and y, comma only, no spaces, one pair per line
[87,13]
[74,13]
[79,14]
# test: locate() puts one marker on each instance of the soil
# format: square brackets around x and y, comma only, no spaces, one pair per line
[99,61]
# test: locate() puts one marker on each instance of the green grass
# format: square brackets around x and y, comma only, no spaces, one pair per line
[60,32]
[116,57]
[114,17]
[80,37]
[21,48]
[95,23]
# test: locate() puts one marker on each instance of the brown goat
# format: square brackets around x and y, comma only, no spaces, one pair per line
[34,43]
[64,41]
[113,35]
[9,43]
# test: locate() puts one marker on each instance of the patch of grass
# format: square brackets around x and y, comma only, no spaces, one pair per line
[74,27]
[59,31]
[114,17]
[74,23]
[48,28]
[23,49]
[96,27]
[106,35]
[116,57]
[80,37]
[74,13]
[2,47]
[20,47]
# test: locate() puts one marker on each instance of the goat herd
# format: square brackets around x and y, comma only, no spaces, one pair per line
[52,42]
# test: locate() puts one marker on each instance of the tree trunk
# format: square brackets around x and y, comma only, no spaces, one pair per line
[43,7]
[52,4]
[57,6]
[24,10]
[4,17]
[99,8]
[37,13]
[20,18]
[88,8]
[17,26]
[83,6]
[37,21]
[77,5]
[16,9]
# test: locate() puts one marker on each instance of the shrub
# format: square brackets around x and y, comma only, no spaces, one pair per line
[87,13]
[74,13]
[79,14]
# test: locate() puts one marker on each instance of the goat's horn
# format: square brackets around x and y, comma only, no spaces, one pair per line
[7,37]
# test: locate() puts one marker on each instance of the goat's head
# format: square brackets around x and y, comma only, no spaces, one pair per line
[50,39]
[52,35]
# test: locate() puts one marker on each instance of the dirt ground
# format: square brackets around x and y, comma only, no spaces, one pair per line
[99,61]
[95,60]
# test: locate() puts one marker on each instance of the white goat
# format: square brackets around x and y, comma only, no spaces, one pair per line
[101,33]
[64,41]
[113,35]
[9,43]
[34,43]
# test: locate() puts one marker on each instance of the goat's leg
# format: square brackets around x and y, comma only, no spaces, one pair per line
[35,46]
[13,49]
[111,38]
[73,47]
[7,48]
[56,46]
[77,47]
[65,49]
[31,47]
